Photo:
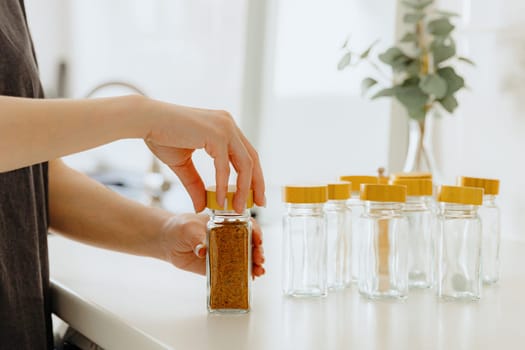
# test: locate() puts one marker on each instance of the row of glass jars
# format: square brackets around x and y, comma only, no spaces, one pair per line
[388,238]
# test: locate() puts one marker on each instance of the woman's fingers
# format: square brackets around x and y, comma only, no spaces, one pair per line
[243,164]
[257,183]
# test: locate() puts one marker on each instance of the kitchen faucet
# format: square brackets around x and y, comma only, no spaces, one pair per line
[155,183]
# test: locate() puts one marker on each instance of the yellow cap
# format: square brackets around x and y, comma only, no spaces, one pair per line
[339,190]
[358,180]
[491,186]
[461,195]
[383,193]
[415,187]
[211,198]
[411,175]
[305,194]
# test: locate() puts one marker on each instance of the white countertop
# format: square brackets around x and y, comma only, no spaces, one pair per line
[127,302]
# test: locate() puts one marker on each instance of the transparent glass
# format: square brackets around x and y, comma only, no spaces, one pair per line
[338,230]
[489,214]
[229,262]
[383,262]
[304,250]
[420,242]
[357,208]
[459,252]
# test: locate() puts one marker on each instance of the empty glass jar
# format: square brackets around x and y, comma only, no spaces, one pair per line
[229,255]
[383,266]
[304,241]
[338,229]
[420,240]
[489,214]
[356,207]
[459,243]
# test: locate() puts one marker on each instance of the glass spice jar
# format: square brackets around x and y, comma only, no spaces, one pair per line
[357,208]
[489,214]
[338,228]
[229,255]
[383,266]
[459,243]
[420,239]
[304,241]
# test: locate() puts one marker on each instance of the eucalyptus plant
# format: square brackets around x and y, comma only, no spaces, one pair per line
[421,61]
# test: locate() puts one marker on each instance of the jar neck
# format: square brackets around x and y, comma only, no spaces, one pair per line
[454,209]
[489,200]
[227,215]
[417,203]
[304,208]
[383,208]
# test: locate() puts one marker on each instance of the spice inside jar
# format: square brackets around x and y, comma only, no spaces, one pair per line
[229,257]
[229,266]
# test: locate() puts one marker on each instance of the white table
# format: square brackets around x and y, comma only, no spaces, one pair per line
[127,302]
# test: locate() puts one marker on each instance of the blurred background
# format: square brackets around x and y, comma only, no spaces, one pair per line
[273,65]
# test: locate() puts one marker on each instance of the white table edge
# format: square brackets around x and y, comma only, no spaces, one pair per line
[98,324]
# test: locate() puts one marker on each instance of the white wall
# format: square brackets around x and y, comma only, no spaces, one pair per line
[487,134]
[315,125]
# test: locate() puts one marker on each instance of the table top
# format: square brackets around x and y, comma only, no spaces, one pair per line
[122,302]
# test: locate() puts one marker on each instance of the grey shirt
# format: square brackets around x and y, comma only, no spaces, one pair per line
[25,317]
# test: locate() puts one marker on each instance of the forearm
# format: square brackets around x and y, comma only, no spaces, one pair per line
[37,130]
[86,211]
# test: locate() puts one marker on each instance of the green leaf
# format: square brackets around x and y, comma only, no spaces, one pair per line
[466,60]
[440,27]
[413,98]
[345,43]
[367,51]
[418,113]
[409,38]
[345,61]
[390,55]
[442,50]
[395,58]
[366,84]
[388,92]
[417,5]
[449,103]
[435,85]
[412,68]
[412,17]
[453,80]
[447,13]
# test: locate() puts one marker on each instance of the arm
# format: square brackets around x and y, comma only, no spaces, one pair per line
[84,210]
[35,130]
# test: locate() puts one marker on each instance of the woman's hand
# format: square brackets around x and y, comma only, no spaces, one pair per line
[177,131]
[182,242]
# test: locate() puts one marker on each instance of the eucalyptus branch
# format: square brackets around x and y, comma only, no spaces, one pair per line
[425,78]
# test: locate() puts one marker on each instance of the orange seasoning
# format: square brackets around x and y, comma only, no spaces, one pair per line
[229,257]
[229,266]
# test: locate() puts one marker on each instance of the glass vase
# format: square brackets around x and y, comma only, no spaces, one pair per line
[420,152]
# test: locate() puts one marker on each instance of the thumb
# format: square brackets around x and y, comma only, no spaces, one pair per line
[193,183]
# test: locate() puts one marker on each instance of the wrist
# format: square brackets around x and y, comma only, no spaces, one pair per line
[133,120]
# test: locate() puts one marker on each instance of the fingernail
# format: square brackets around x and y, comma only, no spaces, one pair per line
[198,249]
[264,202]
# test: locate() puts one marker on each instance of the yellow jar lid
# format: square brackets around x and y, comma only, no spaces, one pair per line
[461,195]
[383,193]
[339,190]
[491,186]
[358,180]
[411,175]
[307,194]
[211,198]
[415,187]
